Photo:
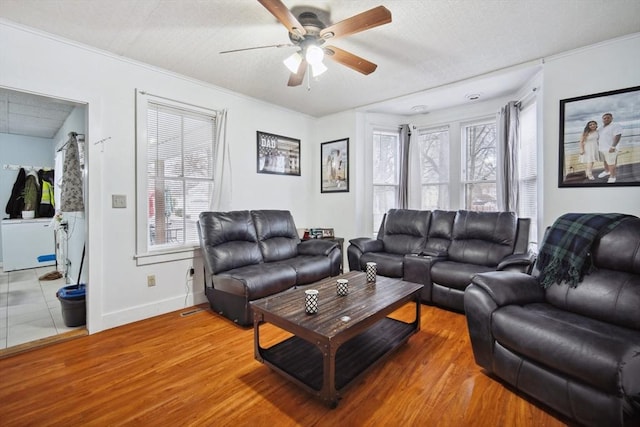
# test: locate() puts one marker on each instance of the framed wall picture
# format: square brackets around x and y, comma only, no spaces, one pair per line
[277,154]
[600,139]
[334,166]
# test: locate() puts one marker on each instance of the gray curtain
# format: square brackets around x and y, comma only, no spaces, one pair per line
[71,195]
[403,187]
[507,144]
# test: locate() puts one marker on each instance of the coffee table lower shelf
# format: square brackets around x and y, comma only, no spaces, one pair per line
[303,361]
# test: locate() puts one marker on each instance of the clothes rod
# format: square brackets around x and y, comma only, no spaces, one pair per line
[27,167]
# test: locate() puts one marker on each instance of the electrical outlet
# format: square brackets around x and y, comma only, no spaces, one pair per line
[118,201]
[151,280]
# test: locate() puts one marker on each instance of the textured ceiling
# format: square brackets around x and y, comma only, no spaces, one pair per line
[429,43]
[32,115]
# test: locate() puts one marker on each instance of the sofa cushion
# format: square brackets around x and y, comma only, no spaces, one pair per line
[405,231]
[620,248]
[483,238]
[607,295]
[456,275]
[229,240]
[309,268]
[597,353]
[256,281]
[390,265]
[277,235]
[440,233]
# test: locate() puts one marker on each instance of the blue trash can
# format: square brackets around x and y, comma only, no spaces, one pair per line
[74,304]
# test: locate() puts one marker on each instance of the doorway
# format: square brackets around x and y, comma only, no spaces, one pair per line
[33,133]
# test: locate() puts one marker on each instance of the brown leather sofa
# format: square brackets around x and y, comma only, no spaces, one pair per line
[253,254]
[575,349]
[443,250]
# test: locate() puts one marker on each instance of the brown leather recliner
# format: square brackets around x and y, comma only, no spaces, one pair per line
[575,349]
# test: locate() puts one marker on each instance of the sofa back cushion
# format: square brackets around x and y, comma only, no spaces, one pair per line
[440,232]
[277,234]
[611,292]
[482,238]
[228,240]
[405,231]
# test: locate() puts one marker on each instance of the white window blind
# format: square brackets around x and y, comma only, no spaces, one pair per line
[433,151]
[528,168]
[386,163]
[176,170]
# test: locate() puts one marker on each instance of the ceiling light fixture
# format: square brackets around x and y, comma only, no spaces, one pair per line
[293,62]
[419,109]
[313,55]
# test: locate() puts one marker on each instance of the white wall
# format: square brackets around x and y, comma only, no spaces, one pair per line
[600,68]
[117,285]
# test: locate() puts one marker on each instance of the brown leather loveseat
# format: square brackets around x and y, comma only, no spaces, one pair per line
[253,254]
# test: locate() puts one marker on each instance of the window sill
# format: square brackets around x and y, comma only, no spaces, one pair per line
[168,255]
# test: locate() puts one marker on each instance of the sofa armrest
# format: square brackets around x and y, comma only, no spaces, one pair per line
[508,287]
[367,244]
[439,255]
[316,247]
[517,262]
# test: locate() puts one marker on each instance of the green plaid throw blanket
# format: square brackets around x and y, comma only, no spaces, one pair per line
[565,252]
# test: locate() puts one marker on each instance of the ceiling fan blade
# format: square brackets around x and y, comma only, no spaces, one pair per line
[258,47]
[350,60]
[295,79]
[363,21]
[284,15]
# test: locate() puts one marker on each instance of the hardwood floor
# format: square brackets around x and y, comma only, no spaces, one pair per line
[199,370]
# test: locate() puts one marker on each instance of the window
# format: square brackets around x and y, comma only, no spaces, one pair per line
[528,168]
[433,146]
[386,164]
[175,149]
[479,166]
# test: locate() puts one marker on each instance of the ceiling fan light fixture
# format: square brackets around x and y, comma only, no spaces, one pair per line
[314,55]
[293,62]
[317,69]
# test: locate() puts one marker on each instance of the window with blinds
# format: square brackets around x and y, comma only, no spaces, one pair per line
[178,173]
[386,173]
[528,168]
[433,146]
[479,166]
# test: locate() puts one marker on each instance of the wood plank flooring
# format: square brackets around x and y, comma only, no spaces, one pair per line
[199,370]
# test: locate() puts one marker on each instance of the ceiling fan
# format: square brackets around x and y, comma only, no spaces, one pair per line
[309,34]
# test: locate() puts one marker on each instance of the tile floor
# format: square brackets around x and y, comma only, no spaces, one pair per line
[29,308]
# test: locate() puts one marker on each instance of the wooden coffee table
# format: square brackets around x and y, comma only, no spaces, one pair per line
[348,335]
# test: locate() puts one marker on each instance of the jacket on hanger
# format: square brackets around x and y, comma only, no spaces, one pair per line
[15,204]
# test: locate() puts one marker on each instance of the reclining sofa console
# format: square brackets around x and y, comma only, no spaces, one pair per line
[443,250]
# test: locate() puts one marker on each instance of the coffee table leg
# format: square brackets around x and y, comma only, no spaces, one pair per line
[329,392]
[257,320]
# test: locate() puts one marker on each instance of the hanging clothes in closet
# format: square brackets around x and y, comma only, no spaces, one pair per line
[15,205]
[47,199]
[71,195]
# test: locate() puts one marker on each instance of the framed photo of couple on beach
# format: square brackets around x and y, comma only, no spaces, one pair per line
[600,139]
